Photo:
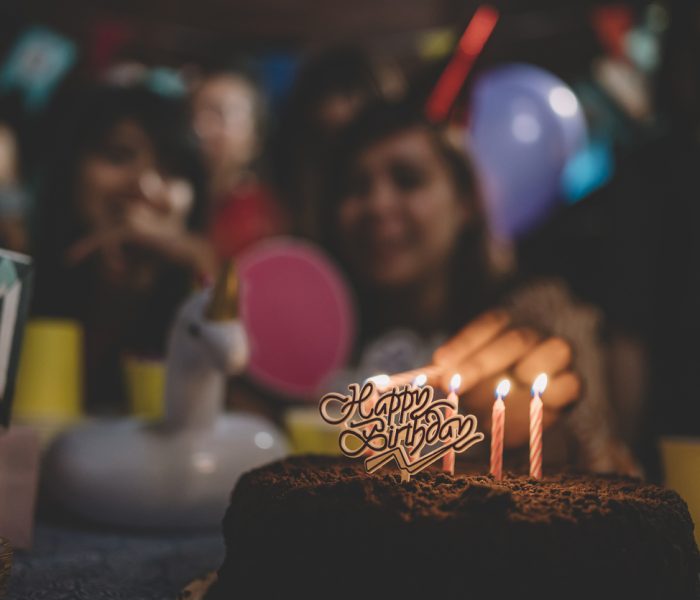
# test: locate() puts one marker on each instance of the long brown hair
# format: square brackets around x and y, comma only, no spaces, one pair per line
[471,280]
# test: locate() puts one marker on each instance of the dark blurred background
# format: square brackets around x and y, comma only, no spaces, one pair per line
[624,240]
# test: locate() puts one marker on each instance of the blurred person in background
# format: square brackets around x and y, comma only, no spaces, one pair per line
[328,92]
[403,216]
[120,224]
[229,117]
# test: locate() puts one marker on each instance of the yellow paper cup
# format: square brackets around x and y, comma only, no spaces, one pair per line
[309,433]
[681,460]
[50,377]
[145,387]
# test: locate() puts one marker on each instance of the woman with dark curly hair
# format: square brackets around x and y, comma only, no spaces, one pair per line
[119,221]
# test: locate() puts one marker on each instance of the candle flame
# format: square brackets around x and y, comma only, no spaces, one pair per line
[420,380]
[540,384]
[503,388]
[381,381]
[455,382]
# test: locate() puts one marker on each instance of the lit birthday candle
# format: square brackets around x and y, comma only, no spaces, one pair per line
[536,406]
[498,421]
[448,461]
[380,382]
[418,381]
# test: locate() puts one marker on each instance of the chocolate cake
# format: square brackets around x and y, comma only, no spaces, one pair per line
[5,564]
[321,527]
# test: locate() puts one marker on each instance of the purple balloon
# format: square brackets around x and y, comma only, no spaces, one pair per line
[526,123]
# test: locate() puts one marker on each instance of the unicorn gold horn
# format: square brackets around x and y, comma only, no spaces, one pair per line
[223,305]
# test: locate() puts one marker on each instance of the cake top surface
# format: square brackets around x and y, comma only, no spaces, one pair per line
[432,494]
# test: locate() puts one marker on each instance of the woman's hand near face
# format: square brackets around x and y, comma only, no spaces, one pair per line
[490,348]
[128,200]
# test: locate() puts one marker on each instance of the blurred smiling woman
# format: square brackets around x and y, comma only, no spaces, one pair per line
[119,220]
[404,218]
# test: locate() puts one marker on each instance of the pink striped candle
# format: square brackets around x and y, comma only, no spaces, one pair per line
[448,461]
[536,407]
[498,422]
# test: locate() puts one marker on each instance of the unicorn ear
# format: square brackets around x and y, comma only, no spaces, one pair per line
[223,305]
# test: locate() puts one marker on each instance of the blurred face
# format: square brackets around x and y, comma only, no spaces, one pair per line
[123,185]
[401,218]
[224,119]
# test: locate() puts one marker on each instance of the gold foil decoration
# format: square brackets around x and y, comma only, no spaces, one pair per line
[223,305]
[407,425]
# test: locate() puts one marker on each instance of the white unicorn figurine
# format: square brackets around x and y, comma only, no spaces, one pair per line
[177,473]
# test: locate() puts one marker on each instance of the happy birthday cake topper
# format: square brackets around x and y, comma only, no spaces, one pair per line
[405,424]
